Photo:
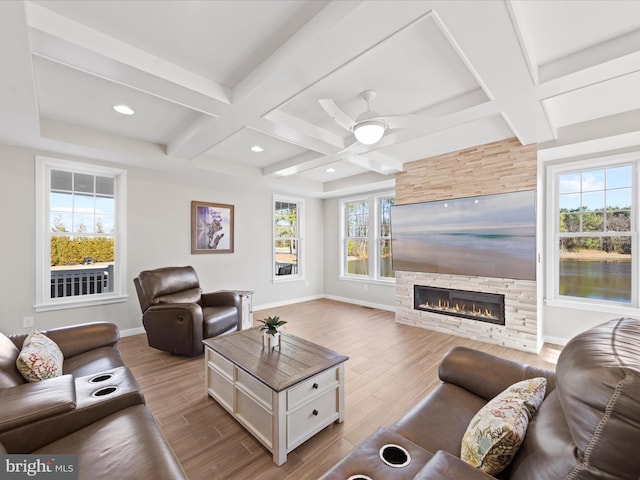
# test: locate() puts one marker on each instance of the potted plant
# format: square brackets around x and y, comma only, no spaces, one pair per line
[270,335]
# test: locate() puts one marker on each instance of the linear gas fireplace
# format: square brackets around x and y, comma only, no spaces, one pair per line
[485,307]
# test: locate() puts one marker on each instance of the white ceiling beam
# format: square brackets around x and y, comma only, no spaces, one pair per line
[364,182]
[298,164]
[602,53]
[19,118]
[293,126]
[295,67]
[487,40]
[77,36]
[302,137]
[54,49]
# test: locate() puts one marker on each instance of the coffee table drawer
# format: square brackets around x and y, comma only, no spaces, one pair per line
[255,417]
[255,388]
[312,417]
[220,387]
[222,363]
[313,386]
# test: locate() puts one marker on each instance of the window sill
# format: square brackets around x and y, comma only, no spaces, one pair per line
[288,278]
[593,306]
[47,307]
[375,281]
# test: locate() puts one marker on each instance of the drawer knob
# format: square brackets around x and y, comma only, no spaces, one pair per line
[315,412]
[315,386]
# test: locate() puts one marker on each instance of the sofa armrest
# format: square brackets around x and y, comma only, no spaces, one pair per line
[77,339]
[444,466]
[487,375]
[227,298]
[31,402]
[161,310]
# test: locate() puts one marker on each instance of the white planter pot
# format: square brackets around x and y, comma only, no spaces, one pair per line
[271,341]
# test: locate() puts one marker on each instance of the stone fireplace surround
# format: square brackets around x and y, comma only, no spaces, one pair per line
[503,166]
[519,331]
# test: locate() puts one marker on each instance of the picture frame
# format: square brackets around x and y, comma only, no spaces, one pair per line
[211,227]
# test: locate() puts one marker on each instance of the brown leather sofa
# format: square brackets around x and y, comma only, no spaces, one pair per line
[588,426]
[95,409]
[177,316]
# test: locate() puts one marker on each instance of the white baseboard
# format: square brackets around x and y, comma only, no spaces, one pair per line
[131,331]
[555,340]
[286,302]
[379,306]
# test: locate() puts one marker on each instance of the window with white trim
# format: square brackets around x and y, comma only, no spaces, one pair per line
[366,238]
[80,256]
[288,215]
[594,242]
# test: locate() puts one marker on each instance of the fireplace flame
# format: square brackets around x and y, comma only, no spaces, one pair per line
[459,308]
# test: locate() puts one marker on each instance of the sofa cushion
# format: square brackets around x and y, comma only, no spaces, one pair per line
[184,296]
[9,374]
[440,419]
[40,358]
[496,432]
[162,282]
[126,444]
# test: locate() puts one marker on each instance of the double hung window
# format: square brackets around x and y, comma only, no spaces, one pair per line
[366,238]
[80,245]
[594,232]
[287,238]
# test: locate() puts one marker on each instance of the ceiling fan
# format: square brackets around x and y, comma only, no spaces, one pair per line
[370,126]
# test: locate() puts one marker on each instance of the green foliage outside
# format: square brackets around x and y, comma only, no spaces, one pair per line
[584,221]
[286,221]
[72,250]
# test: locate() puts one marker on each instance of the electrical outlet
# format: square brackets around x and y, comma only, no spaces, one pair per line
[366,287]
[27,322]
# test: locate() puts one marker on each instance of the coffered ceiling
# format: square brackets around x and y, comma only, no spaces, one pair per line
[210,79]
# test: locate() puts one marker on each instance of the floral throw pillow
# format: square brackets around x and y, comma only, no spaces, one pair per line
[496,432]
[40,358]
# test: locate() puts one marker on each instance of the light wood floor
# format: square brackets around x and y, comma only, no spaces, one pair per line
[391,366]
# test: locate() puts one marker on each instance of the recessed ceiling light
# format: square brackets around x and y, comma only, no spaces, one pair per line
[330,170]
[124,109]
[257,149]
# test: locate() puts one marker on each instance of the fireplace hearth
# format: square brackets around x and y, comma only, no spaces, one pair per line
[484,307]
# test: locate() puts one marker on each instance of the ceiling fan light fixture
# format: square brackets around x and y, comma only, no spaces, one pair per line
[369,132]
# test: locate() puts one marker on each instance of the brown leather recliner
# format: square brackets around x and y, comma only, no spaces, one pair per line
[587,428]
[177,316]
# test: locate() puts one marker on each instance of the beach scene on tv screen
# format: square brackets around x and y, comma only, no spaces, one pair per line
[486,236]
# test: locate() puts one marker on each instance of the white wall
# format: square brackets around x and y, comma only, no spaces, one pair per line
[362,293]
[158,233]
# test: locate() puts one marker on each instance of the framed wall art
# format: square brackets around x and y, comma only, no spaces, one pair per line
[211,227]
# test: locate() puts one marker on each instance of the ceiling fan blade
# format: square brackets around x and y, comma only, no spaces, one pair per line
[334,112]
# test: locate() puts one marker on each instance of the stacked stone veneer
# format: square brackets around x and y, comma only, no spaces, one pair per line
[499,167]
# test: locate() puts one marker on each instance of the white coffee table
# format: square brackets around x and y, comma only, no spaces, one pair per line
[282,396]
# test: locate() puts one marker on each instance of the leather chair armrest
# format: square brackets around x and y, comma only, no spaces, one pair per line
[444,466]
[160,309]
[77,339]
[227,298]
[487,375]
[31,402]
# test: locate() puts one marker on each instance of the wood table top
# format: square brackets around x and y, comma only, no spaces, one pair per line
[296,360]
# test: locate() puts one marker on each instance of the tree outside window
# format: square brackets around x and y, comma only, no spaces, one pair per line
[366,233]
[79,261]
[287,237]
[594,234]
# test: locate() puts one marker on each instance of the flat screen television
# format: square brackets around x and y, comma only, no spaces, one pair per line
[484,236]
